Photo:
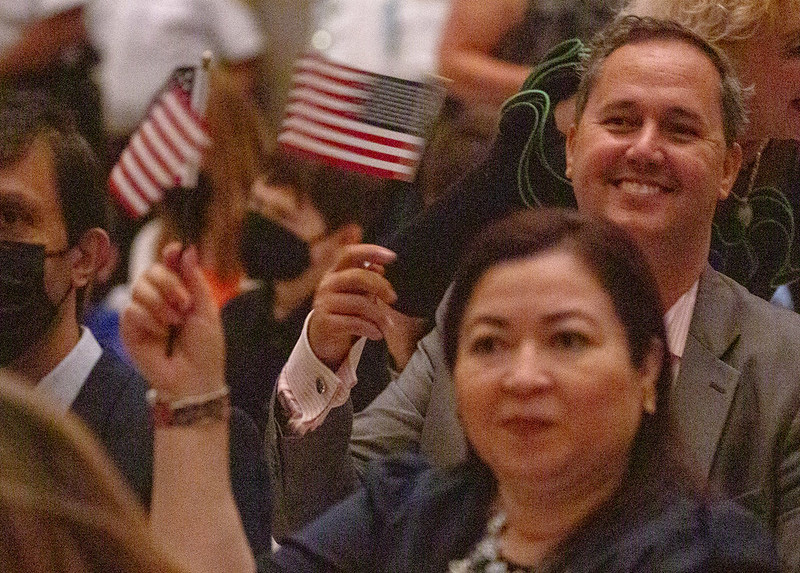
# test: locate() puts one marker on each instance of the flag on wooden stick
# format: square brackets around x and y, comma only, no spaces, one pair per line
[358,120]
[166,148]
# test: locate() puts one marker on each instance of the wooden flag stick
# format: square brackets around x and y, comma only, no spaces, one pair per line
[189,179]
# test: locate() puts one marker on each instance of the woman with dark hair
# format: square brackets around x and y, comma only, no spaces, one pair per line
[555,338]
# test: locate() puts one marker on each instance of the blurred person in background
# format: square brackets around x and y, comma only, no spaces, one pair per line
[302,213]
[63,506]
[43,47]
[487,50]
[139,43]
[52,244]
[228,170]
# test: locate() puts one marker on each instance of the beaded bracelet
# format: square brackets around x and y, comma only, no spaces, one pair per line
[190,410]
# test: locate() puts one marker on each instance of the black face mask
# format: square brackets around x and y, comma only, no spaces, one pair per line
[270,252]
[26,312]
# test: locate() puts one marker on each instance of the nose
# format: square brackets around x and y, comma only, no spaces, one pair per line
[645,149]
[528,370]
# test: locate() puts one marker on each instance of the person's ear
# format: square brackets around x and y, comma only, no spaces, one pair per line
[93,256]
[730,170]
[650,372]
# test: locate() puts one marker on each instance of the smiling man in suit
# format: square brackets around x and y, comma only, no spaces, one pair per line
[652,149]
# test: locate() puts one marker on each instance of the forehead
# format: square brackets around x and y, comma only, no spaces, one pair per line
[660,72]
[552,282]
[31,181]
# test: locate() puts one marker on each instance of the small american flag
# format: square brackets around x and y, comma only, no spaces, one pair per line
[163,149]
[358,120]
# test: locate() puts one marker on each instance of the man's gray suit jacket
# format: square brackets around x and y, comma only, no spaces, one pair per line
[736,406]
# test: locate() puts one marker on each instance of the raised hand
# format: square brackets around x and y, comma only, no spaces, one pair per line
[352,300]
[174,294]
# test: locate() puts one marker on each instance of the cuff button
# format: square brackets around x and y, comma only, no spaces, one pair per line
[320,386]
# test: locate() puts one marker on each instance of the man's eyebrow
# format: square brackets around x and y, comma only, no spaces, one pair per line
[18,201]
[618,105]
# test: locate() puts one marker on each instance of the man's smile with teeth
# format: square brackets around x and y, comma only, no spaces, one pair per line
[640,188]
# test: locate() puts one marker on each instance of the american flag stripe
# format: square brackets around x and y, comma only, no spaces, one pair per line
[323,101]
[171,136]
[330,86]
[356,119]
[357,133]
[154,164]
[140,178]
[352,124]
[316,130]
[318,65]
[357,149]
[171,139]
[157,149]
[186,121]
[309,144]
[163,148]
[348,165]
[126,194]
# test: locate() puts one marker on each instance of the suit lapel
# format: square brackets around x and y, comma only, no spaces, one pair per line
[95,400]
[706,384]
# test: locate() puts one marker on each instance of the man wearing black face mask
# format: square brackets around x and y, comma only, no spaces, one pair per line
[51,226]
[52,243]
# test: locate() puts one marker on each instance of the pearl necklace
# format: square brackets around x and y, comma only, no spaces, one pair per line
[486,557]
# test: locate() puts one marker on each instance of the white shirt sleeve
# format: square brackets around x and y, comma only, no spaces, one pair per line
[308,390]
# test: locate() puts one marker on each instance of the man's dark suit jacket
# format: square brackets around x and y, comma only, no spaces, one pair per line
[112,403]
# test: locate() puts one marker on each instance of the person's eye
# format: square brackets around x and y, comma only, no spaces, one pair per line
[570,340]
[11,215]
[8,216]
[619,123]
[485,345]
[682,132]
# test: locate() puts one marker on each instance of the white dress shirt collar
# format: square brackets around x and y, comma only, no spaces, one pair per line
[677,320]
[65,381]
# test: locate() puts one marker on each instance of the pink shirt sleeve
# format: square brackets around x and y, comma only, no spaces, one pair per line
[308,390]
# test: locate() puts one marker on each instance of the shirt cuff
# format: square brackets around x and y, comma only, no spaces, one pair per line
[308,390]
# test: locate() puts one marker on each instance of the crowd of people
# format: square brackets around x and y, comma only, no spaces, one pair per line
[561,347]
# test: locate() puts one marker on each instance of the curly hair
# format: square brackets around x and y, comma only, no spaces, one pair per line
[722,22]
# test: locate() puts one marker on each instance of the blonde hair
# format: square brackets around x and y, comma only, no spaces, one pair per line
[63,506]
[231,165]
[723,22]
